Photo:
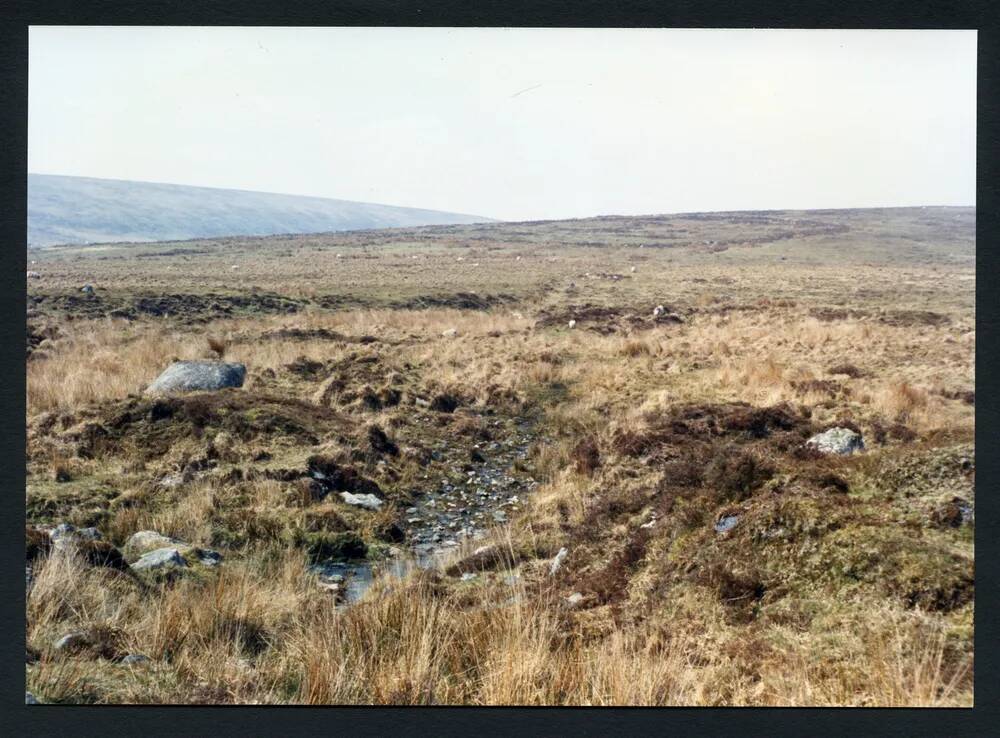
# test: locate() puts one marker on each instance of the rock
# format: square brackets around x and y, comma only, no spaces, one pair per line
[469,576]
[61,531]
[450,333]
[188,376]
[572,324]
[208,558]
[837,441]
[90,534]
[30,699]
[135,658]
[161,558]
[658,311]
[726,522]
[73,643]
[369,502]
[87,289]
[574,599]
[558,561]
[145,541]
[34,275]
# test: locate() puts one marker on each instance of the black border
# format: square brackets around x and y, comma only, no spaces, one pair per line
[16,15]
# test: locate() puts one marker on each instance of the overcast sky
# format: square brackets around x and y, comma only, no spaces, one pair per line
[516,124]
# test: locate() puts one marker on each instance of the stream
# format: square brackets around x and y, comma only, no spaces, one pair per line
[447,512]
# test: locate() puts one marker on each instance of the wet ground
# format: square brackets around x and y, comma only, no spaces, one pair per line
[451,510]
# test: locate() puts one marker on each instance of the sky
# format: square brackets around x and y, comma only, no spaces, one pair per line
[516,124]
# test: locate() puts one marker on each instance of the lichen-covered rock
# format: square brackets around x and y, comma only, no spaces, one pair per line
[369,502]
[145,541]
[190,376]
[837,441]
[161,558]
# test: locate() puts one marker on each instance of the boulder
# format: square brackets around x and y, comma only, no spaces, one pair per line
[145,541]
[161,558]
[369,502]
[189,376]
[837,441]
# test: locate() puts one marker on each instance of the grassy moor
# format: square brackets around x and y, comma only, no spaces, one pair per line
[693,459]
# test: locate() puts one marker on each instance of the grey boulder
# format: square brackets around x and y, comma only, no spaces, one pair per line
[191,376]
[161,558]
[837,441]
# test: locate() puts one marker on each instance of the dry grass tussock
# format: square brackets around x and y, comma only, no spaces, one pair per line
[261,632]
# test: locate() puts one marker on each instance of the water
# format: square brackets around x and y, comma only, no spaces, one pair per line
[449,512]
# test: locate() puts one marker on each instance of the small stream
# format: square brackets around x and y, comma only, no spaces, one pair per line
[451,510]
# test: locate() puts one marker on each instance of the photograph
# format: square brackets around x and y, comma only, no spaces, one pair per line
[499,366]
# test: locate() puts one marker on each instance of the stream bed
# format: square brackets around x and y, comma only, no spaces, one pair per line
[450,510]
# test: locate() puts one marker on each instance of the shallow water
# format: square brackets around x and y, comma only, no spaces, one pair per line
[443,517]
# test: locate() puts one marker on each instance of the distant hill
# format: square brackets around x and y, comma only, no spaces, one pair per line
[80,210]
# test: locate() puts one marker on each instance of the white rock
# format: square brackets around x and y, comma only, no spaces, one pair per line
[837,441]
[558,560]
[369,502]
[632,269]
[574,599]
[658,311]
[572,324]
[450,333]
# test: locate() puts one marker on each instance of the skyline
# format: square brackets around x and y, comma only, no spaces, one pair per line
[516,124]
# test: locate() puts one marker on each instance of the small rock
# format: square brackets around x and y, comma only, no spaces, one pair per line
[558,561]
[469,576]
[135,658]
[61,531]
[30,699]
[161,558]
[726,522]
[91,534]
[572,324]
[207,557]
[34,275]
[450,333]
[837,441]
[87,289]
[574,599]
[369,502]
[658,311]
[72,643]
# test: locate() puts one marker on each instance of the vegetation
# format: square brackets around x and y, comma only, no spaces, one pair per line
[711,557]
